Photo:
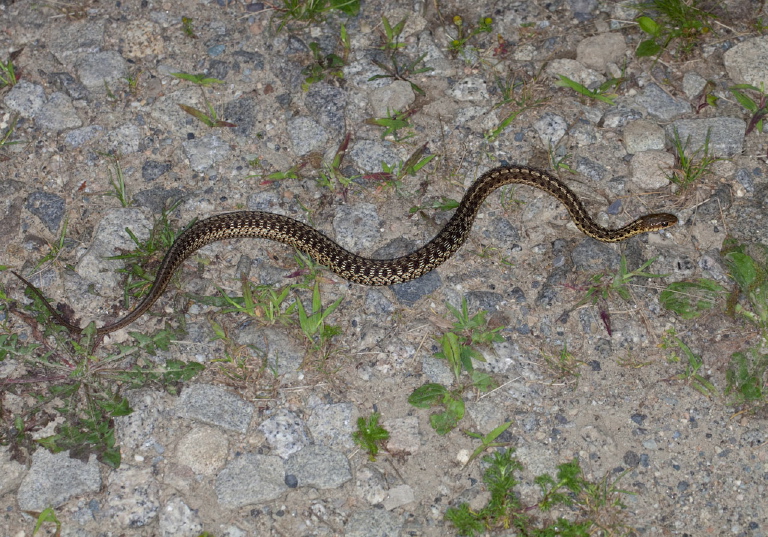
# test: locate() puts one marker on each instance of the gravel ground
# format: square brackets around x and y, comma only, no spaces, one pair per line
[248,451]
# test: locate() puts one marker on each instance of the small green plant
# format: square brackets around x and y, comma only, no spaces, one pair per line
[465,33]
[147,254]
[393,123]
[747,378]
[55,249]
[313,323]
[117,180]
[400,67]
[47,515]
[331,174]
[444,204]
[565,365]
[619,283]
[210,118]
[8,74]
[694,363]
[690,299]
[592,505]
[133,82]
[599,291]
[456,350]
[755,101]
[518,92]
[78,383]
[599,93]
[370,435]
[558,157]
[487,441]
[671,20]
[312,10]
[690,166]
[474,327]
[188,27]
[261,302]
[5,139]
[325,66]
[393,175]
[747,266]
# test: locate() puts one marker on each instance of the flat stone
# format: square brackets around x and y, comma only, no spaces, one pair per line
[319,467]
[250,479]
[215,406]
[95,70]
[133,497]
[598,50]
[642,135]
[285,433]
[203,449]
[396,97]
[361,523]
[55,478]
[205,152]
[747,62]
[58,114]
[306,135]
[333,425]
[49,208]
[660,104]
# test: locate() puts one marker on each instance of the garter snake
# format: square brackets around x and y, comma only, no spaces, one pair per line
[362,270]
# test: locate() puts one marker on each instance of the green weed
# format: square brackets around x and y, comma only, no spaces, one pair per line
[474,327]
[444,204]
[188,27]
[693,364]
[755,101]
[79,384]
[8,74]
[619,283]
[747,266]
[487,441]
[681,20]
[565,365]
[746,378]
[210,118]
[331,174]
[518,92]
[47,515]
[393,175]
[599,93]
[690,299]
[147,253]
[690,166]
[117,180]
[370,435]
[593,505]
[465,33]
[325,66]
[393,123]
[313,323]
[312,10]
[455,349]
[399,68]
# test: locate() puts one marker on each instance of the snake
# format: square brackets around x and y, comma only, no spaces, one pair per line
[363,270]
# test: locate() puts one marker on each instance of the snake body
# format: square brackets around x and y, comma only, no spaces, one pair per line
[362,270]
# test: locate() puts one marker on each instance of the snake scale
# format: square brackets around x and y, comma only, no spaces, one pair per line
[362,270]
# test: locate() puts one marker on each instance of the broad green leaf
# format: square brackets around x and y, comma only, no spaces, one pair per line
[428,395]
[649,26]
[691,299]
[649,47]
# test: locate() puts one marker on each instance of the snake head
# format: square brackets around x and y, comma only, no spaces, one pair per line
[655,222]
